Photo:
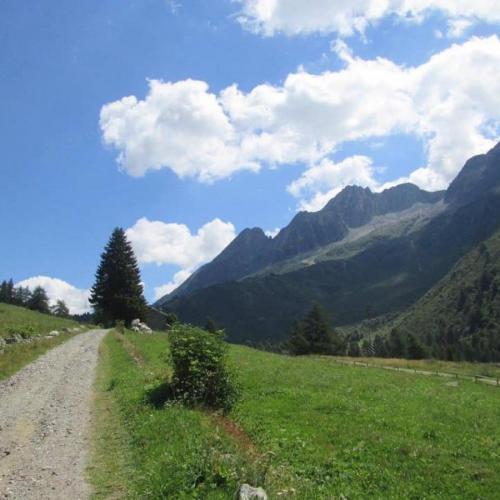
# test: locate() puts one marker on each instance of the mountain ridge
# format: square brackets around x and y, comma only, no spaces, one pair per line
[252,250]
[386,276]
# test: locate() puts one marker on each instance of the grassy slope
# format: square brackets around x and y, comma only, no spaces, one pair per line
[469,290]
[18,317]
[321,429]
[16,356]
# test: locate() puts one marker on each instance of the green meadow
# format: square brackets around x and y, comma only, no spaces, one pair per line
[28,323]
[305,427]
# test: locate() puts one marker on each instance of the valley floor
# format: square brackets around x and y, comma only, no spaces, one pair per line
[305,427]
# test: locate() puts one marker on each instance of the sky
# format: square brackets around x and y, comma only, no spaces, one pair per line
[185,122]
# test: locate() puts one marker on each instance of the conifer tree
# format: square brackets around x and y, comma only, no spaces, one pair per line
[60,309]
[313,335]
[3,291]
[211,326]
[118,293]
[39,300]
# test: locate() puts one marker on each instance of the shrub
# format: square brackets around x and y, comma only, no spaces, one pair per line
[120,326]
[200,373]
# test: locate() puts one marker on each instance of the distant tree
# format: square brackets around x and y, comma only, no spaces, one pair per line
[7,291]
[39,300]
[396,344]
[315,334]
[118,293]
[354,349]
[415,348]
[60,309]
[3,291]
[22,296]
[297,343]
[171,319]
[211,326]
[367,348]
[379,346]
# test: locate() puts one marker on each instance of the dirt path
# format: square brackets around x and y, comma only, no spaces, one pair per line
[44,417]
[416,371]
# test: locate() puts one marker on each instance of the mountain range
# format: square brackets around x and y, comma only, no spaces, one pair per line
[364,254]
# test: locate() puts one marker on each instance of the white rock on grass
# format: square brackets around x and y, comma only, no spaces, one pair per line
[138,326]
[248,492]
[54,333]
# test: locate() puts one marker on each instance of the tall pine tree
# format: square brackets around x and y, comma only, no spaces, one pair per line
[118,293]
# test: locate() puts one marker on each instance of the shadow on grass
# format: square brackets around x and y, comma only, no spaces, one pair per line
[160,395]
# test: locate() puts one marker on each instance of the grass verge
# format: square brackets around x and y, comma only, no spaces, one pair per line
[14,318]
[16,356]
[164,451]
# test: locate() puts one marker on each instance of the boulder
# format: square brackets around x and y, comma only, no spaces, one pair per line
[138,326]
[54,333]
[248,492]
[14,339]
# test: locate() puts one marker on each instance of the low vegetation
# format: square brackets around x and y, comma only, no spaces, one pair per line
[305,427]
[200,374]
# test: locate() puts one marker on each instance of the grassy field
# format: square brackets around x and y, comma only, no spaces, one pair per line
[16,319]
[304,428]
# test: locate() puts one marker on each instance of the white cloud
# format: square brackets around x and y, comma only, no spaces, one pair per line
[157,242]
[178,279]
[171,243]
[323,181]
[449,102]
[272,232]
[180,125]
[76,299]
[347,17]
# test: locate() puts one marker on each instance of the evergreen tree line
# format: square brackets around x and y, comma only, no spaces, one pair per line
[36,300]
[448,344]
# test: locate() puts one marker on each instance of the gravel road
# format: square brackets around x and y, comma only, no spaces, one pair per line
[44,423]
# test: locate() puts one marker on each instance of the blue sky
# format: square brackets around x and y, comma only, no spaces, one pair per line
[255,156]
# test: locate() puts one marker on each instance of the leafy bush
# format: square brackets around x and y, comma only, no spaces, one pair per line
[200,373]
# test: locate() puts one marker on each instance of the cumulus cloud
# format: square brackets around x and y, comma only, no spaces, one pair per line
[178,279]
[76,299]
[171,243]
[157,242]
[451,102]
[347,17]
[272,232]
[180,125]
